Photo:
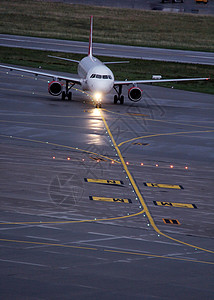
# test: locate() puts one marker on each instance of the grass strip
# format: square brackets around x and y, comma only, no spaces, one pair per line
[136,69]
[111,25]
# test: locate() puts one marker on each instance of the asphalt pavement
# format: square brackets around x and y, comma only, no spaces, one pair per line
[195,57]
[105,203]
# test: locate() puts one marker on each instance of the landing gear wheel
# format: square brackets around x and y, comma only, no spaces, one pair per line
[69,96]
[63,95]
[122,99]
[100,105]
[115,99]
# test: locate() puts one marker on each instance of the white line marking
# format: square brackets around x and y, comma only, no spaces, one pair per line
[22,262]
[41,238]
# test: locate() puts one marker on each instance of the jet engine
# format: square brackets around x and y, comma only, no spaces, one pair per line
[135,93]
[55,88]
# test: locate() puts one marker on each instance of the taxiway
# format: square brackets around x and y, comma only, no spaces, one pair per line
[83,206]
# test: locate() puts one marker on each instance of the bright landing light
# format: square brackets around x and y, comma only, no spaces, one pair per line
[97,97]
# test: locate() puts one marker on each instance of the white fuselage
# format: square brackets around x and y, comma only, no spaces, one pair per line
[96,77]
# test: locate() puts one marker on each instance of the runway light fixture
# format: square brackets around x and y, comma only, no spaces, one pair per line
[141,164]
[54,157]
[68,158]
[186,168]
[112,162]
[157,165]
[127,163]
[171,166]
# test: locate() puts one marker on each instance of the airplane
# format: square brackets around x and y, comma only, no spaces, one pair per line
[96,77]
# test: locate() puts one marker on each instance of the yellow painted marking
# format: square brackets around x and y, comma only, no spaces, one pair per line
[177,123]
[158,256]
[162,121]
[104,181]
[105,199]
[163,134]
[162,185]
[47,244]
[107,250]
[126,114]
[162,203]
[171,221]
[140,144]
[58,145]
[140,196]
[97,158]
[139,115]
[70,222]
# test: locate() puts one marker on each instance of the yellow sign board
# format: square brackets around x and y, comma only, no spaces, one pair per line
[183,205]
[164,186]
[120,200]
[104,181]
[171,221]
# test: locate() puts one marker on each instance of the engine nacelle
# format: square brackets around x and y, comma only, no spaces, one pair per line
[55,88]
[135,94]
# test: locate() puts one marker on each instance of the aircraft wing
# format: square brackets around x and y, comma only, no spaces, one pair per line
[127,82]
[38,73]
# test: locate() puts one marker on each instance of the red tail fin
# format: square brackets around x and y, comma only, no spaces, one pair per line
[90,37]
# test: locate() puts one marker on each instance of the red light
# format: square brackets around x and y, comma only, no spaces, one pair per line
[54,157]
[68,158]
[171,166]
[83,159]
[98,160]
[127,163]
[156,165]
[141,164]
[186,168]
[112,162]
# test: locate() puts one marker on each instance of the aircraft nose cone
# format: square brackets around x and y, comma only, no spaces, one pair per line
[102,86]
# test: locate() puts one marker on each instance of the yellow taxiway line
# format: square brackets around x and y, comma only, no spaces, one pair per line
[107,250]
[58,145]
[140,196]
[70,222]
[164,134]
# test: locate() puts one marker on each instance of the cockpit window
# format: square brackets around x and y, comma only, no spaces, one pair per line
[100,76]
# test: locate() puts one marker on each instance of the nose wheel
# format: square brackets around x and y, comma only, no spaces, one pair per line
[98,105]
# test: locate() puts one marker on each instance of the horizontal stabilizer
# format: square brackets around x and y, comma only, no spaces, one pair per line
[62,58]
[116,62]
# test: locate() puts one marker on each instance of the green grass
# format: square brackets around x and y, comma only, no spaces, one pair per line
[136,69]
[120,26]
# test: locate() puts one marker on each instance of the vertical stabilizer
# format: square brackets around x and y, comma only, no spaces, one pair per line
[90,37]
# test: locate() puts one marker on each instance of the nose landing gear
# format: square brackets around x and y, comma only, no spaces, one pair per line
[98,105]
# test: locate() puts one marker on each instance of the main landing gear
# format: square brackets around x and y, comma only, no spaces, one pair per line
[67,94]
[118,97]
